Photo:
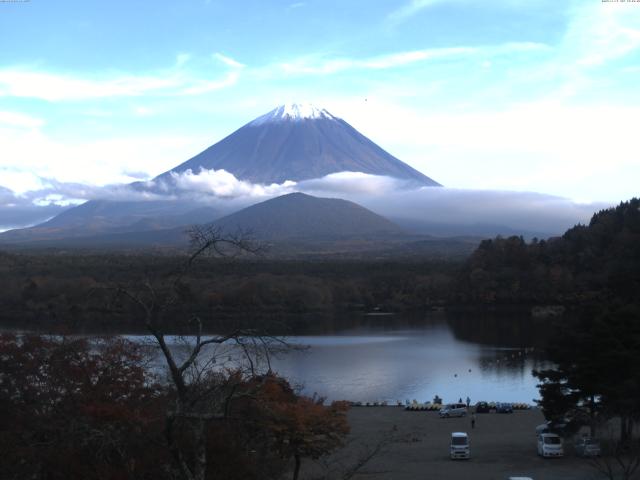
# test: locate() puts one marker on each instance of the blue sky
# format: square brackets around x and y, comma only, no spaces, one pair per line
[504,95]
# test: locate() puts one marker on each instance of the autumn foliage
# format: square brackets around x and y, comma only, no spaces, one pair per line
[89,409]
[75,409]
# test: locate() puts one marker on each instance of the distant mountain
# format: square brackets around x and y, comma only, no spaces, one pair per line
[298,215]
[298,142]
[108,217]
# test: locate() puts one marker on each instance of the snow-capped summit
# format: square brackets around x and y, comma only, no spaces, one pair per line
[293,112]
[297,142]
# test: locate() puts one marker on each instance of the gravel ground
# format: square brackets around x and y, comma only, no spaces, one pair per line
[415,445]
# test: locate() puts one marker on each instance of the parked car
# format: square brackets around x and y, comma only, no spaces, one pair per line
[482,407]
[587,447]
[453,410]
[550,445]
[504,408]
[459,446]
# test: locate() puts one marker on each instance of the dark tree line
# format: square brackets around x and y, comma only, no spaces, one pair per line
[589,264]
[596,375]
[41,291]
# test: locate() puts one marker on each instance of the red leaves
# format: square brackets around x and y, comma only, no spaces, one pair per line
[302,426]
[71,404]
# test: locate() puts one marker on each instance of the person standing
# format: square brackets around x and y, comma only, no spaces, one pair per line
[473,420]
[468,401]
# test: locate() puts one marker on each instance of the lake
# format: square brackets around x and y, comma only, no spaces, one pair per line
[384,358]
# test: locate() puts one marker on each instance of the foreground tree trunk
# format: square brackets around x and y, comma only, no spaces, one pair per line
[296,470]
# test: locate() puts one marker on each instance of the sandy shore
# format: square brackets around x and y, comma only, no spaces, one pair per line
[415,445]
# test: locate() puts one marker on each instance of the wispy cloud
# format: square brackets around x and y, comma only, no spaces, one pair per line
[25,82]
[228,61]
[56,87]
[321,65]
[200,87]
[410,9]
[324,66]
[518,211]
[601,32]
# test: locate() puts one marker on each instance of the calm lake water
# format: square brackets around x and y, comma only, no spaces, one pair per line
[388,358]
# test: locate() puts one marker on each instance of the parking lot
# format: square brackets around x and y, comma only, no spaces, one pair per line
[415,445]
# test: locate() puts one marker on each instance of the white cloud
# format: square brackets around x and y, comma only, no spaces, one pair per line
[55,87]
[427,208]
[351,183]
[410,9]
[32,153]
[601,32]
[220,183]
[56,199]
[20,181]
[320,65]
[567,150]
[21,120]
[518,211]
[200,87]
[228,61]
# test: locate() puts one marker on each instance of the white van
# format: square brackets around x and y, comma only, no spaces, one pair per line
[453,410]
[550,445]
[459,447]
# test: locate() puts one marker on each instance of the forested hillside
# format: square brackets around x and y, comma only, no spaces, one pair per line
[592,262]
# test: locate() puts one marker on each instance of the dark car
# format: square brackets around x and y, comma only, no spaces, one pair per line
[587,447]
[504,408]
[482,407]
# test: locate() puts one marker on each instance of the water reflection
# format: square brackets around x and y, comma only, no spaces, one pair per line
[381,362]
[391,358]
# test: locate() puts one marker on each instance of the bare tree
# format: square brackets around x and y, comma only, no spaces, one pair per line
[619,460]
[202,388]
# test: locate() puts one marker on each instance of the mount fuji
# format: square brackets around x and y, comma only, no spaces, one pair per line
[298,142]
[292,143]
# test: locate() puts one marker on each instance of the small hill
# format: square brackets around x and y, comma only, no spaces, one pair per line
[298,215]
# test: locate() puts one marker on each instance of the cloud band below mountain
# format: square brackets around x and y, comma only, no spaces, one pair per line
[425,209]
